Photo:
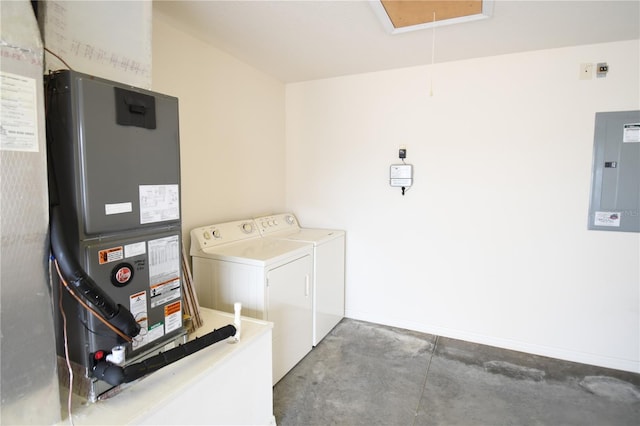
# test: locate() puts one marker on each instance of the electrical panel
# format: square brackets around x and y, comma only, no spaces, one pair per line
[615,176]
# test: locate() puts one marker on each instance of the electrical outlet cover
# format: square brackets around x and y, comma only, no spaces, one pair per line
[586,71]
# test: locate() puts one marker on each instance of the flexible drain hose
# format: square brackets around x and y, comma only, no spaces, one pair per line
[115,314]
[116,375]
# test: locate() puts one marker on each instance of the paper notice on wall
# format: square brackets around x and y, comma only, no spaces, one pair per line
[631,133]
[18,113]
[607,219]
[159,203]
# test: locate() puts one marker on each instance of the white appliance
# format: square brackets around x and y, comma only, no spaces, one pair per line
[271,278]
[328,267]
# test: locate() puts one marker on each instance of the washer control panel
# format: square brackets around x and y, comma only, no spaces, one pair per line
[223,233]
[277,223]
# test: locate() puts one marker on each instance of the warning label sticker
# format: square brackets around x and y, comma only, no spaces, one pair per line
[148,333]
[165,292]
[173,316]
[110,255]
[138,305]
[138,308]
[164,270]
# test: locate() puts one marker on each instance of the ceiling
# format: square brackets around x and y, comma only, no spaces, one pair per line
[411,13]
[307,40]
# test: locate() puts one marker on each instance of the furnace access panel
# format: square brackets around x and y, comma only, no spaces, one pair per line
[615,176]
[118,153]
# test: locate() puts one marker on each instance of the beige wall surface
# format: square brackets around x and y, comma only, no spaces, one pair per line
[232,137]
[491,242]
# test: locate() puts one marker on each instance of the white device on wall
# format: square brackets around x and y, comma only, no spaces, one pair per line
[401,175]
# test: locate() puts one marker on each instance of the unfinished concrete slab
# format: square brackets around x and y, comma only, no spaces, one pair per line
[368,374]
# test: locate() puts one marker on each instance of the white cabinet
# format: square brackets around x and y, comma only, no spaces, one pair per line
[224,384]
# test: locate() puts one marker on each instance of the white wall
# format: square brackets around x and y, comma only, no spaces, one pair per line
[232,134]
[491,243]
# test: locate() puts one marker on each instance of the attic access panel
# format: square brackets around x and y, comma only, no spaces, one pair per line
[399,16]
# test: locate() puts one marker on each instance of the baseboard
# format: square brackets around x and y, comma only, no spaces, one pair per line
[632,366]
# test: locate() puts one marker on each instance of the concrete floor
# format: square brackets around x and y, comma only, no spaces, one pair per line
[367,374]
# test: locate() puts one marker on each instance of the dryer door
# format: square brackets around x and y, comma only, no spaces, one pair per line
[289,308]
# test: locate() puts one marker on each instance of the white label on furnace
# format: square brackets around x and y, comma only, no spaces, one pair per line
[135,249]
[155,332]
[110,255]
[631,133]
[607,219]
[165,292]
[18,113]
[159,203]
[173,316]
[118,208]
[164,269]
[138,308]
[164,259]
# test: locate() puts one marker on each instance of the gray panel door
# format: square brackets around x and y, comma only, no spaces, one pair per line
[116,159]
[615,186]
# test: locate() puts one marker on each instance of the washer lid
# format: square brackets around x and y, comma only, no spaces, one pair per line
[261,251]
[316,236]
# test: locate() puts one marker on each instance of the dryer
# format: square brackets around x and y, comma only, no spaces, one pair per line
[270,277]
[328,267]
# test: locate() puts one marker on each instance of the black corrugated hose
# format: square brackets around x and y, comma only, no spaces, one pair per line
[115,314]
[116,375]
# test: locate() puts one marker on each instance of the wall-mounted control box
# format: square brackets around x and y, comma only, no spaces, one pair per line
[615,176]
[401,175]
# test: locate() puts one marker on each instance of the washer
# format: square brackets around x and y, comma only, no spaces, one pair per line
[270,277]
[328,267]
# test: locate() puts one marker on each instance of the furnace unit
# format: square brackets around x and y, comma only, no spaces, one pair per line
[114,177]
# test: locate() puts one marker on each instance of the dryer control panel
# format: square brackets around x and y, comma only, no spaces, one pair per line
[222,233]
[277,223]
